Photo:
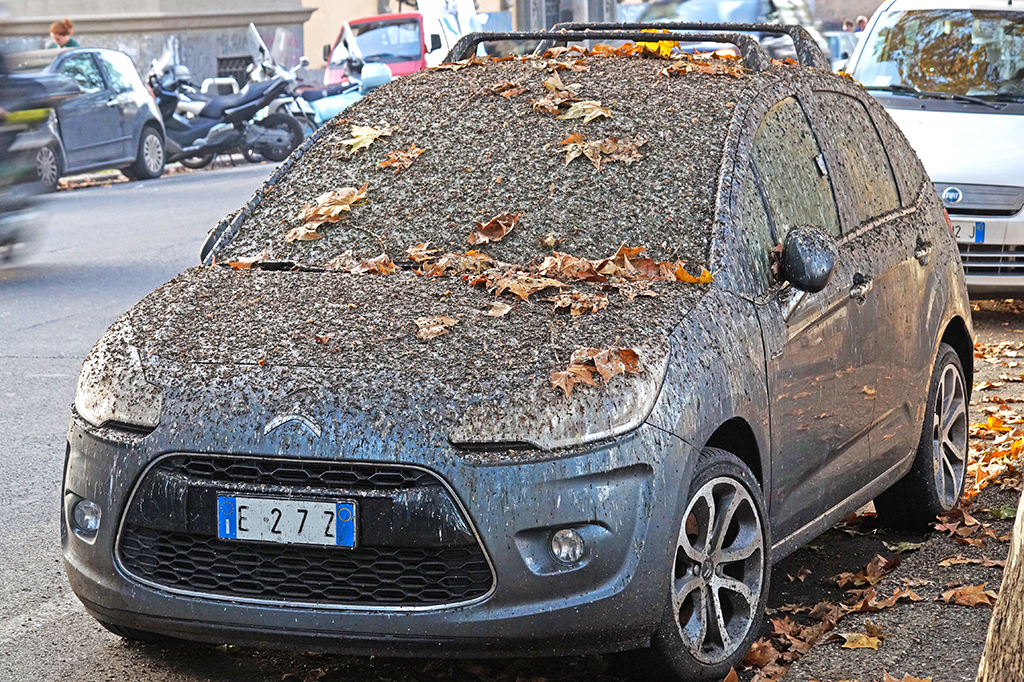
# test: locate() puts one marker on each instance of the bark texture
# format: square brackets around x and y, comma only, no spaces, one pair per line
[1003,658]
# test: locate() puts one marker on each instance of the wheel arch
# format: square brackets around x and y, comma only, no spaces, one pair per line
[737,437]
[957,336]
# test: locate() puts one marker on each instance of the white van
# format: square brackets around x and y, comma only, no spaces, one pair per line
[951,74]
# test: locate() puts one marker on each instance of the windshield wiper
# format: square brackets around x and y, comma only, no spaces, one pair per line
[901,89]
[1005,97]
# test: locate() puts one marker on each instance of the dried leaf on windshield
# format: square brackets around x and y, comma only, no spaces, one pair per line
[364,136]
[588,111]
[401,159]
[431,327]
[494,229]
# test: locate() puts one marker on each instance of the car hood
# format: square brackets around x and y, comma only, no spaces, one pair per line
[341,352]
[970,148]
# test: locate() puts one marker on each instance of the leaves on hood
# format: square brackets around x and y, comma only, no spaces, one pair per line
[588,111]
[401,159]
[381,265]
[971,595]
[711,65]
[580,303]
[364,136]
[506,89]
[518,283]
[471,262]
[573,374]
[498,309]
[494,230]
[420,253]
[247,263]
[585,361]
[662,49]
[329,207]
[461,64]
[626,151]
[431,327]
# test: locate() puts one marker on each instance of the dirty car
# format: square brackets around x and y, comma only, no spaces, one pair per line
[545,355]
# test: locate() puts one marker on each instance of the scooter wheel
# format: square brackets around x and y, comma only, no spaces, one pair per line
[282,122]
[198,161]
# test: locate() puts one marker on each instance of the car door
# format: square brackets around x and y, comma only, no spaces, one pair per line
[813,347]
[126,90]
[892,240]
[90,126]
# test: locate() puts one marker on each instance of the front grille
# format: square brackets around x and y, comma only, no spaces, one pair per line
[982,200]
[359,577]
[415,547]
[992,259]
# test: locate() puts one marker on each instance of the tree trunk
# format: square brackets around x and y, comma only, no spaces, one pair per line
[1003,658]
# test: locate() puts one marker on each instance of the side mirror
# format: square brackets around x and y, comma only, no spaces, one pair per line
[808,257]
[373,76]
[435,42]
[304,61]
[327,53]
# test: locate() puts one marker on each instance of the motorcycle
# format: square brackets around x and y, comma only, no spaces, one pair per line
[290,102]
[224,123]
[326,103]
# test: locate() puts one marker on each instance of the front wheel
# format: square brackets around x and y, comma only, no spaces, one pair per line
[285,123]
[48,167]
[149,163]
[718,573]
[935,483]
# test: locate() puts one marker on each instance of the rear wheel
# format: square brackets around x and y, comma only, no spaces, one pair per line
[149,163]
[934,484]
[283,122]
[48,167]
[718,575]
[196,162]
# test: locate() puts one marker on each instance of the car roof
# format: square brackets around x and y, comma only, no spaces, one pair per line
[993,5]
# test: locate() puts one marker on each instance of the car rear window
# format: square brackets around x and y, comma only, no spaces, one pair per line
[488,155]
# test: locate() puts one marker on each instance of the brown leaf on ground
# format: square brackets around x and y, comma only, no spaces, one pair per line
[856,640]
[431,327]
[886,677]
[364,136]
[549,240]
[761,654]
[506,89]
[970,595]
[732,676]
[800,575]
[570,268]
[401,159]
[494,229]
[961,559]
[876,570]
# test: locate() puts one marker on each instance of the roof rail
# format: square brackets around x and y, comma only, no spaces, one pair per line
[754,57]
[808,51]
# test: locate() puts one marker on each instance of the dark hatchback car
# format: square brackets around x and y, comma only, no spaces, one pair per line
[113,123]
[569,380]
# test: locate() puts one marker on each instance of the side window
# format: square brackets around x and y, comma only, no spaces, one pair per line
[757,230]
[793,172]
[861,154]
[120,71]
[83,70]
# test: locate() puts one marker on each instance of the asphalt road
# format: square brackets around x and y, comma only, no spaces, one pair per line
[99,250]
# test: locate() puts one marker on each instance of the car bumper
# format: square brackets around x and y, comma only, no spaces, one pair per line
[619,496]
[992,251]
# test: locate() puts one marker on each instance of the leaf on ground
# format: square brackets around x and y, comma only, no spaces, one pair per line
[549,240]
[431,327]
[401,159]
[587,110]
[732,676]
[856,640]
[961,559]
[506,89]
[800,575]
[470,262]
[886,677]
[570,268]
[519,284]
[498,309]
[420,253]
[494,229]
[761,653]
[1004,512]
[970,595]
[877,568]
[903,546]
[364,136]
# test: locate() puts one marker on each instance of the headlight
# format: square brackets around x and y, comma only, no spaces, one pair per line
[586,416]
[112,386]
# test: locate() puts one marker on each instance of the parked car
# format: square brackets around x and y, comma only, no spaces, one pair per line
[113,123]
[952,76]
[841,45]
[545,386]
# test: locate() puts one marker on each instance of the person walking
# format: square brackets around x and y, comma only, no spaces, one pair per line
[60,34]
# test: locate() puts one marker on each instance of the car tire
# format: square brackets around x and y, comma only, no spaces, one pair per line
[48,167]
[139,636]
[284,122]
[196,162]
[149,163]
[935,483]
[704,581]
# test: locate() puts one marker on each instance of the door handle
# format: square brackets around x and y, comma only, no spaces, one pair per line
[860,289]
[922,252]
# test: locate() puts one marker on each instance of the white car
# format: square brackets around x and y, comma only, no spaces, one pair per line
[951,74]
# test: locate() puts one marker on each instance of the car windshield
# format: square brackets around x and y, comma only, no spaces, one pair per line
[744,11]
[388,41]
[959,52]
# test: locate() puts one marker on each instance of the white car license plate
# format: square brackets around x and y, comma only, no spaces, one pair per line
[294,522]
[969,231]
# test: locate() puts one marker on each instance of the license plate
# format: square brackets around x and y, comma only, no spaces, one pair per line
[969,232]
[293,522]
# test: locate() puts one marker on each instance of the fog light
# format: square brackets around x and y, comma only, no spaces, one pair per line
[87,516]
[567,546]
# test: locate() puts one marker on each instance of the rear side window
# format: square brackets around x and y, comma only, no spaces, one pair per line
[861,155]
[793,172]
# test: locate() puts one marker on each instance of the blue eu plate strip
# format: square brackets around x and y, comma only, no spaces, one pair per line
[226,517]
[979,233]
[345,529]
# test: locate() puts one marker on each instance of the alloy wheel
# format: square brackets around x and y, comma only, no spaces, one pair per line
[949,436]
[717,579]
[153,153]
[47,167]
